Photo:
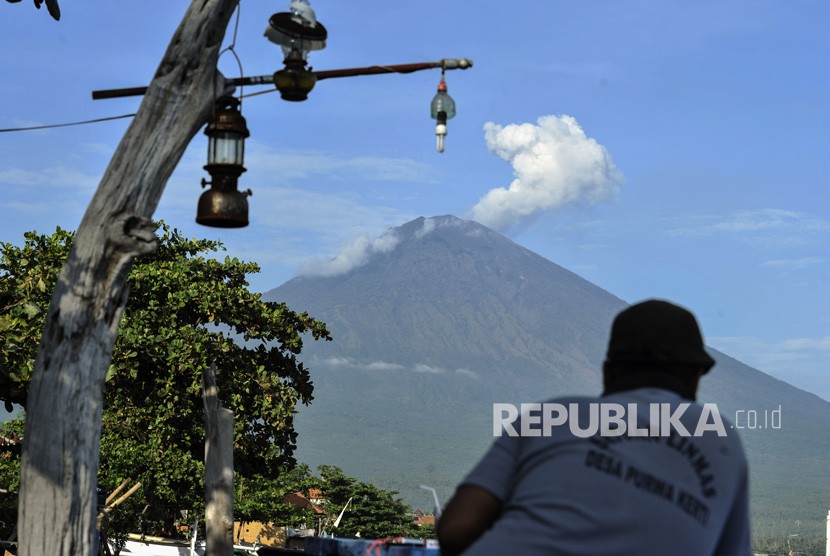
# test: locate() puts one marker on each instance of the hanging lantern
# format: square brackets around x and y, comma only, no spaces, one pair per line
[442,109]
[297,32]
[223,206]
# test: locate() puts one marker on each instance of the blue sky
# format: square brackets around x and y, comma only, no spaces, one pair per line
[656,148]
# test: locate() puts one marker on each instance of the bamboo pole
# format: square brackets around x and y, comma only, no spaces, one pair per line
[109,507]
[116,491]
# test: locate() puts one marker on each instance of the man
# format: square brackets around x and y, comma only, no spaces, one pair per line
[669,478]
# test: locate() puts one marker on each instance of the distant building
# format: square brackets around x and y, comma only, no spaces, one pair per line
[269,534]
[301,501]
[316,496]
[421,520]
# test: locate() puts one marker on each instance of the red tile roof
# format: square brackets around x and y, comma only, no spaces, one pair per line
[299,500]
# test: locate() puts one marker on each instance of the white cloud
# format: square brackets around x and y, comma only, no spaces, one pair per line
[332,215]
[554,163]
[287,165]
[792,264]
[768,219]
[768,225]
[35,207]
[339,362]
[50,176]
[384,366]
[349,363]
[44,197]
[104,149]
[422,368]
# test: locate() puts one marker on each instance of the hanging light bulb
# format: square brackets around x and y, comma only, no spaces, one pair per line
[442,109]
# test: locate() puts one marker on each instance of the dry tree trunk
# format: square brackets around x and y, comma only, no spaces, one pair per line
[63,413]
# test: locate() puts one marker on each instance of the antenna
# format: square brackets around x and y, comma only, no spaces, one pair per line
[435,498]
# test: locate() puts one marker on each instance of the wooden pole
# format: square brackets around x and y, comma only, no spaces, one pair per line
[445,63]
[59,468]
[218,471]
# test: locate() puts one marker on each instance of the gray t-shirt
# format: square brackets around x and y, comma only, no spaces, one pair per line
[583,492]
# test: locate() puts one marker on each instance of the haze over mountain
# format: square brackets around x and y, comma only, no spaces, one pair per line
[441,317]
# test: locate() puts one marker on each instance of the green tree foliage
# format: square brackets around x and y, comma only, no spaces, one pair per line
[426,531]
[185,311]
[799,538]
[373,512]
[27,277]
[9,475]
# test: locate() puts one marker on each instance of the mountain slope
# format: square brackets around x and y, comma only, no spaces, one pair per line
[428,334]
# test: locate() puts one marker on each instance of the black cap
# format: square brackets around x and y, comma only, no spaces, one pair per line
[656,332]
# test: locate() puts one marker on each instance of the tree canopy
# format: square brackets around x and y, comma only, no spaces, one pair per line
[372,512]
[186,310]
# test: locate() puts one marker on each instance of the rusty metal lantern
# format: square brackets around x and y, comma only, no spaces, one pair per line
[223,205]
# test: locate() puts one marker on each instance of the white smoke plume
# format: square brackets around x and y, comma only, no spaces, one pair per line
[554,163]
[362,249]
[352,256]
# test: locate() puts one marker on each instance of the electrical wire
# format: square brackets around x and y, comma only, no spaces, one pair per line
[110,118]
[50,126]
[265,92]
[232,49]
